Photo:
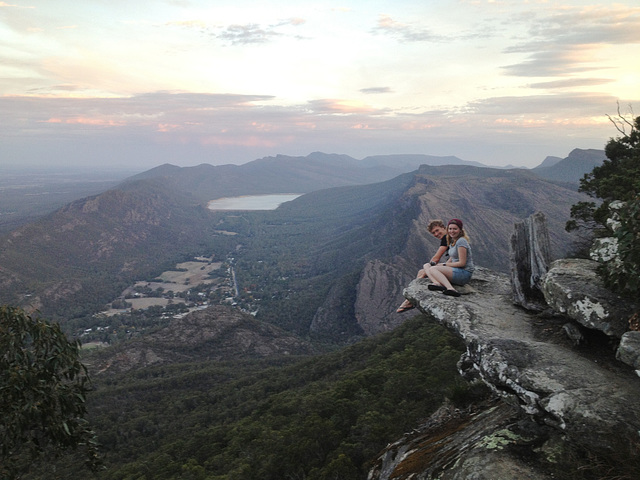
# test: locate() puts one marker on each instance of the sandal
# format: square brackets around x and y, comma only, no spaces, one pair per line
[404,308]
[452,293]
[436,287]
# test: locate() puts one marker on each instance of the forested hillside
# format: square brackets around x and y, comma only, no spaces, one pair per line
[326,269]
[73,261]
[317,418]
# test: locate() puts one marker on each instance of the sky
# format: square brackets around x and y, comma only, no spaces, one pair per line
[122,83]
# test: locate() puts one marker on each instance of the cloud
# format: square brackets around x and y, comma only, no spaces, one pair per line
[246,34]
[4,4]
[564,41]
[563,106]
[190,128]
[570,83]
[405,32]
[375,90]
[241,34]
[552,61]
[324,106]
[144,112]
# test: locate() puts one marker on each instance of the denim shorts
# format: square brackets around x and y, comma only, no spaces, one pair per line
[460,276]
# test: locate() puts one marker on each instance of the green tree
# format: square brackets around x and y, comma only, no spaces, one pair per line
[623,274]
[618,178]
[43,387]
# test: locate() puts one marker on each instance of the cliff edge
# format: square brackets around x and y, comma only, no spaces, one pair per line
[557,398]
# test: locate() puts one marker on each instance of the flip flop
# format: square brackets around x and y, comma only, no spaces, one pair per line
[436,287]
[404,309]
[452,293]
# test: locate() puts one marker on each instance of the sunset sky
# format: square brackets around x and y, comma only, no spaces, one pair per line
[139,83]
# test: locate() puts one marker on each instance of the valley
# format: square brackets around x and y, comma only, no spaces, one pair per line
[189,287]
[259,343]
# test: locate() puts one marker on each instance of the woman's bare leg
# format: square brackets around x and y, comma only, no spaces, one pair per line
[441,275]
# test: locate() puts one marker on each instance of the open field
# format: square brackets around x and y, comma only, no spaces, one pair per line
[195,273]
[142,303]
[187,275]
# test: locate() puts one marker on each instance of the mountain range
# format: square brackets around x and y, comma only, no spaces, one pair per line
[572,168]
[220,389]
[335,243]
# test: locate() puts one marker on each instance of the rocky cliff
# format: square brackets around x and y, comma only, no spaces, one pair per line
[489,201]
[562,405]
[218,332]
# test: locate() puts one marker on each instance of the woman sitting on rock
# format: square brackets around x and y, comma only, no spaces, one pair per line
[459,268]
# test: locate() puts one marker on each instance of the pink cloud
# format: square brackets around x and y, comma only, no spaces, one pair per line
[99,122]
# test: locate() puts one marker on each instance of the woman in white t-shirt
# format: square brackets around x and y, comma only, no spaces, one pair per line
[459,268]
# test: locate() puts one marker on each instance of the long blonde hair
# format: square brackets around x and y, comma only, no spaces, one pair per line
[463,234]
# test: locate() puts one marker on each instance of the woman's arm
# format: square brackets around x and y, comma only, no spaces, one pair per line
[462,258]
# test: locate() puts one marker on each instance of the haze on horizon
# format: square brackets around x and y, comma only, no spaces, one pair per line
[138,84]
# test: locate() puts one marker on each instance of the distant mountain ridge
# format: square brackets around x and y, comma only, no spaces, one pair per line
[318,170]
[572,168]
[550,161]
[287,174]
[83,255]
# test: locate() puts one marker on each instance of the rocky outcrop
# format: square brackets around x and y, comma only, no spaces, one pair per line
[629,350]
[216,333]
[572,287]
[378,283]
[530,255]
[456,444]
[579,396]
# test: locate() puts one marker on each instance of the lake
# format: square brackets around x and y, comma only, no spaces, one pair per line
[252,202]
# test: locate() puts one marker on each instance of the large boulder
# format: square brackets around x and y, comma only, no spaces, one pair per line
[629,350]
[573,288]
[462,444]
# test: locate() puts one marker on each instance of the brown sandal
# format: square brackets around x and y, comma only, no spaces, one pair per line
[404,308]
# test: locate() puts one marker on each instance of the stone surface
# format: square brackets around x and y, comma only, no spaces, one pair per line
[572,287]
[217,332]
[591,401]
[378,283]
[455,445]
[629,349]
[530,256]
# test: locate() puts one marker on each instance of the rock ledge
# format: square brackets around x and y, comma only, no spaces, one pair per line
[586,401]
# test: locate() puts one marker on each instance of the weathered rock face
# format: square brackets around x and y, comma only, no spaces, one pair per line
[586,400]
[455,445]
[377,287]
[530,257]
[629,350]
[572,287]
[218,332]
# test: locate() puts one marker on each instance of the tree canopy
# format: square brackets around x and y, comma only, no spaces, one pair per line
[617,179]
[43,388]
